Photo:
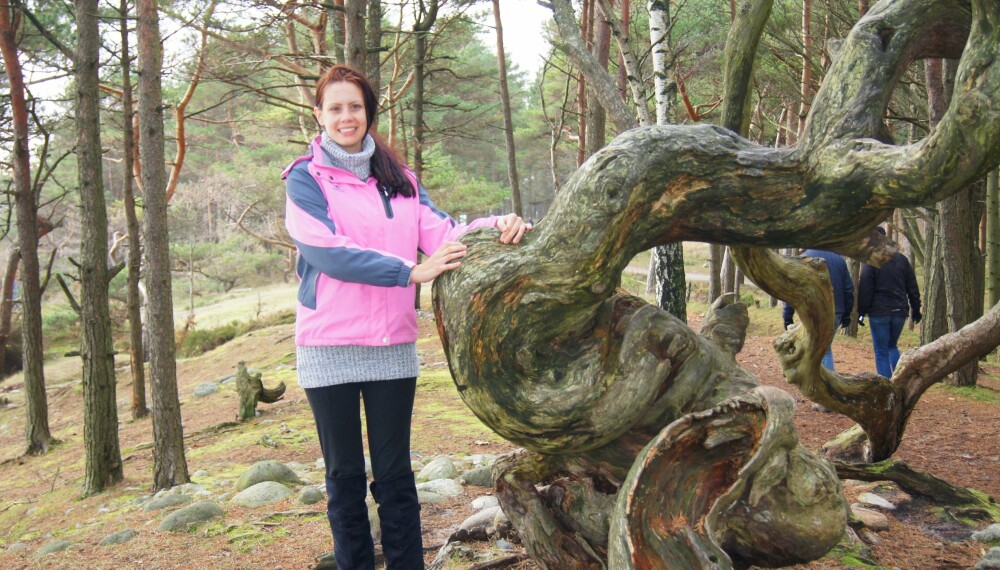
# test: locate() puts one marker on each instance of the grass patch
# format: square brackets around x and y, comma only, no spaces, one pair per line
[977,393]
[200,341]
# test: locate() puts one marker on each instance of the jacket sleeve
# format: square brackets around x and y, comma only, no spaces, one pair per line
[912,291]
[848,290]
[321,246]
[866,289]
[437,227]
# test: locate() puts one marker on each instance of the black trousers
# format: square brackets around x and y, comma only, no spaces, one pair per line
[388,407]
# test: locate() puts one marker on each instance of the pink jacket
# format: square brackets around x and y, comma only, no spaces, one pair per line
[356,249]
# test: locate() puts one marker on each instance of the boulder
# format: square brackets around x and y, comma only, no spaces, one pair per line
[479,476]
[871,519]
[441,467]
[261,494]
[876,501]
[311,495]
[54,546]
[205,389]
[429,498]
[181,519]
[446,487]
[485,501]
[165,501]
[988,534]
[991,561]
[118,537]
[269,470]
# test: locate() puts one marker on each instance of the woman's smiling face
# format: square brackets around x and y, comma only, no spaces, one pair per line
[342,115]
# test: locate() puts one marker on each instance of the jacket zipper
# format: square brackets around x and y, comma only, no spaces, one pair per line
[385,202]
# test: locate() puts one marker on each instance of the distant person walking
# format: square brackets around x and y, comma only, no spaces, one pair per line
[843,295]
[886,295]
[358,218]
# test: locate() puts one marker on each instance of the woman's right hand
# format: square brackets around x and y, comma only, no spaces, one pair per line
[444,259]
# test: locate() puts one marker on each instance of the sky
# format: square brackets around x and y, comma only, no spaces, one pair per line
[523,22]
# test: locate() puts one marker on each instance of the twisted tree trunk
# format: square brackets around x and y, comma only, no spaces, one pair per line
[546,351]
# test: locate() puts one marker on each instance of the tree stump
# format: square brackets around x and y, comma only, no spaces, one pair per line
[252,390]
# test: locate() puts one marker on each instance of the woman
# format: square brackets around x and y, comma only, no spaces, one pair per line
[358,218]
[886,295]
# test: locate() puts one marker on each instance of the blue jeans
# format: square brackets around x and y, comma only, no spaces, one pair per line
[885,333]
[828,357]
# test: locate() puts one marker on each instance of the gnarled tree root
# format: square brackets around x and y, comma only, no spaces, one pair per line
[727,488]
[970,502]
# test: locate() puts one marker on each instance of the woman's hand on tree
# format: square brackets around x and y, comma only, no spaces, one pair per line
[444,259]
[512,228]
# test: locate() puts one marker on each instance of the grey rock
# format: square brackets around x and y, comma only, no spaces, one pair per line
[199,473]
[871,519]
[54,546]
[991,561]
[876,501]
[479,526]
[192,489]
[18,547]
[227,379]
[205,389]
[988,534]
[165,501]
[320,464]
[118,537]
[446,487]
[269,470]
[311,495]
[262,494]
[440,467]
[482,459]
[429,498]
[479,476]
[504,545]
[485,501]
[181,519]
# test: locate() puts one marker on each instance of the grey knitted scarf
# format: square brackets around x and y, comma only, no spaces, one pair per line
[359,163]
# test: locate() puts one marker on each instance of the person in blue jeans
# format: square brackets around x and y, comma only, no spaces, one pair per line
[843,295]
[886,295]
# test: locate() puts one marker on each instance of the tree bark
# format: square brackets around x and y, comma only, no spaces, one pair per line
[508,123]
[36,426]
[373,50]
[169,463]
[103,464]
[963,267]
[7,305]
[335,21]
[597,131]
[137,353]
[355,52]
[252,390]
[993,237]
[547,353]
[421,29]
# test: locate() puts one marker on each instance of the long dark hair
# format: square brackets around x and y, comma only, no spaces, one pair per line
[386,167]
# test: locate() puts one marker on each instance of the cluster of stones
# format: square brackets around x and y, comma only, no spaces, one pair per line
[268,482]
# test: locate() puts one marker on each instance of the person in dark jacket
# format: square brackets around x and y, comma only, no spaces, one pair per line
[843,295]
[886,295]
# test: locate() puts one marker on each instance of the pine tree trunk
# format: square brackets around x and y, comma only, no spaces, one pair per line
[508,123]
[103,465]
[354,34]
[335,23]
[374,44]
[137,359]
[993,238]
[169,463]
[36,424]
[597,118]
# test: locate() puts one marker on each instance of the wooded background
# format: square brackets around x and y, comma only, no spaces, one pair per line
[121,120]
